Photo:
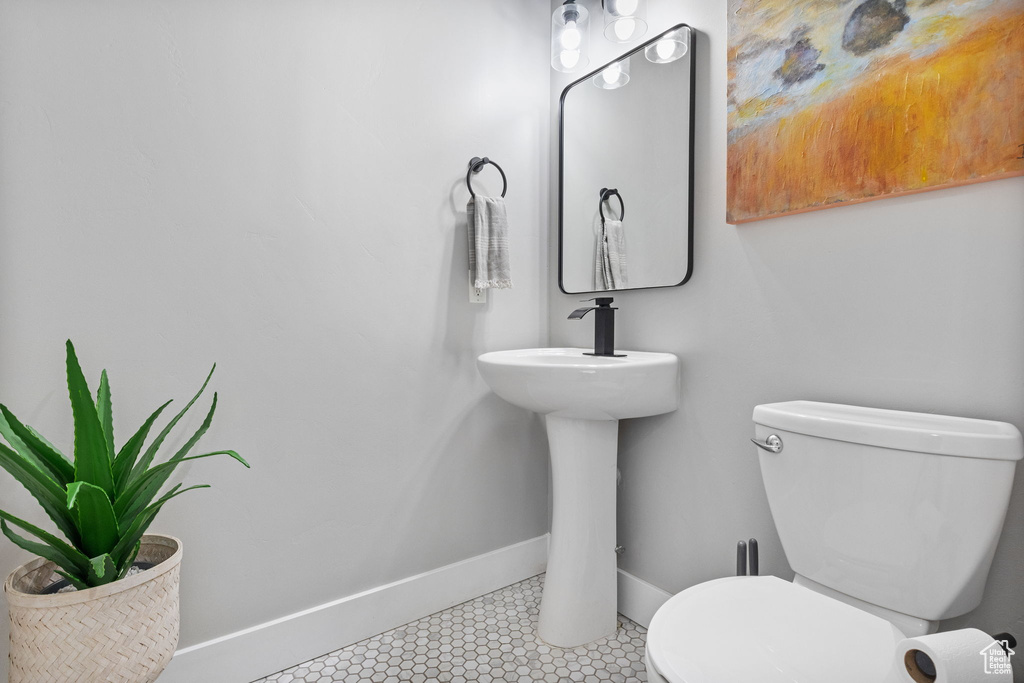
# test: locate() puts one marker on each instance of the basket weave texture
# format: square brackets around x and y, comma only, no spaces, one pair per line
[123,632]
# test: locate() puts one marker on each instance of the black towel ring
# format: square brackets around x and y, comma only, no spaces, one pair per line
[607,194]
[475,164]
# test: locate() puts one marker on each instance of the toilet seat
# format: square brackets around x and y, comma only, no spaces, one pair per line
[764,629]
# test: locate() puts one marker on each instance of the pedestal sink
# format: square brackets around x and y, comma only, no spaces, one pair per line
[582,398]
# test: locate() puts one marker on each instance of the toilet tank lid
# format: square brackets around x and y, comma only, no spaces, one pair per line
[919,432]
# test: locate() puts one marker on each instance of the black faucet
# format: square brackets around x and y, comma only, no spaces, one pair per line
[604,326]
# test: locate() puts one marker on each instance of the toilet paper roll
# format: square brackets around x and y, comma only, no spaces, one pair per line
[966,655]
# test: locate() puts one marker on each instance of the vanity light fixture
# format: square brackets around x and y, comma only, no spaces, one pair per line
[613,76]
[670,48]
[624,20]
[569,37]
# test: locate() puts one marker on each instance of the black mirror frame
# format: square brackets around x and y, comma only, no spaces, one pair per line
[561,160]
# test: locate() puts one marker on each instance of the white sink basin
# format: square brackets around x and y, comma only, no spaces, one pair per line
[567,383]
[582,399]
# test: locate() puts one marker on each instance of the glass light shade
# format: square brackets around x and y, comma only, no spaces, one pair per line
[613,76]
[668,49]
[624,20]
[570,29]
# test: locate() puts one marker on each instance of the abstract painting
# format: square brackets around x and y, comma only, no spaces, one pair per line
[832,102]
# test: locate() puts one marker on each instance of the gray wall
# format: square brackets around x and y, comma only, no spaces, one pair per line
[913,303]
[277,185]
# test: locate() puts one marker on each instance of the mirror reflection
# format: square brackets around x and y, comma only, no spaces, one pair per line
[625,171]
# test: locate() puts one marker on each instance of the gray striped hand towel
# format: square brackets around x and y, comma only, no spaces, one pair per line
[488,243]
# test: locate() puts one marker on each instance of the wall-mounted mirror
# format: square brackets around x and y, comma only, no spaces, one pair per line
[626,170]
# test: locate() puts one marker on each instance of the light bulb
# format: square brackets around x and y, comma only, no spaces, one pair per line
[665,48]
[612,74]
[571,36]
[624,7]
[624,28]
[569,58]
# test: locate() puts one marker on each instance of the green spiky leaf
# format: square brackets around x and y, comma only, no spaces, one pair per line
[127,561]
[49,494]
[33,447]
[144,487]
[101,570]
[94,516]
[105,413]
[133,534]
[147,458]
[125,459]
[69,558]
[92,459]
[138,495]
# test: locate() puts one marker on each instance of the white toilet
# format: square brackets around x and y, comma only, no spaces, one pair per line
[889,520]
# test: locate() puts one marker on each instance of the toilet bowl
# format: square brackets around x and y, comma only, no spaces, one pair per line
[889,520]
[765,629]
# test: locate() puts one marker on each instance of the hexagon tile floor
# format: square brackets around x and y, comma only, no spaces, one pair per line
[491,638]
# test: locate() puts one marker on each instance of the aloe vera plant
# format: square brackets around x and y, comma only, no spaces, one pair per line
[102,500]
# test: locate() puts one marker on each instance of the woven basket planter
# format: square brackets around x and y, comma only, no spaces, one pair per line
[123,632]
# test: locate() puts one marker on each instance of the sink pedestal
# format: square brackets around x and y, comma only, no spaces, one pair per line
[579,603]
[582,397]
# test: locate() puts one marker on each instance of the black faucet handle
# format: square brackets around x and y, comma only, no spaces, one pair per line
[602,301]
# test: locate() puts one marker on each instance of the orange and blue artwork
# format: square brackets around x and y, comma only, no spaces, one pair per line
[832,102]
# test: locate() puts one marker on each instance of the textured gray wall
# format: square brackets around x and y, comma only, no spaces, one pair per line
[278,186]
[913,303]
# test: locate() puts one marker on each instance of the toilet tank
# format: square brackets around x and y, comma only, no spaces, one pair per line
[901,510]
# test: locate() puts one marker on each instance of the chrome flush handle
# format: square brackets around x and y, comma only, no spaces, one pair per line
[773,444]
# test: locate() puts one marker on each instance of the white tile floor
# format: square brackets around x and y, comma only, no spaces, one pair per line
[491,638]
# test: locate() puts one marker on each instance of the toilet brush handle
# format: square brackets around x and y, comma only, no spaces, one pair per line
[741,559]
[752,550]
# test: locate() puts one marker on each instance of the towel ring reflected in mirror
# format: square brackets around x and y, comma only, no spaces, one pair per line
[606,195]
[475,165]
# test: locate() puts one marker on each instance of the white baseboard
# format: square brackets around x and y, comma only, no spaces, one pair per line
[275,645]
[264,649]
[639,600]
